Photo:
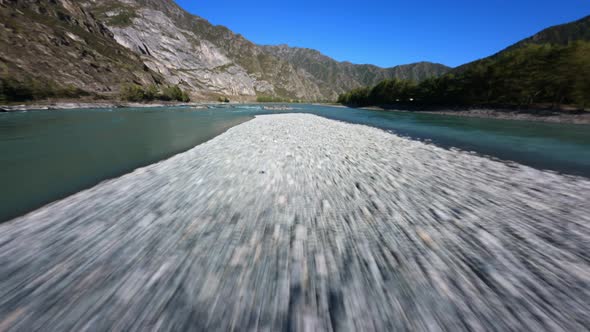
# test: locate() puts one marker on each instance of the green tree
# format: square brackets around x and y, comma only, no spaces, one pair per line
[151,92]
[174,92]
[526,76]
[133,93]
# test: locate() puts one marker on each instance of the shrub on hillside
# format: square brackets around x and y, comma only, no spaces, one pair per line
[14,90]
[133,92]
[122,19]
[272,99]
[137,93]
[174,92]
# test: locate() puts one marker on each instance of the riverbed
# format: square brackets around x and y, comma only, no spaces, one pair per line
[295,222]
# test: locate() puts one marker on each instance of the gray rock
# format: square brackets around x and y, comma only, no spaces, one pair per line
[187,244]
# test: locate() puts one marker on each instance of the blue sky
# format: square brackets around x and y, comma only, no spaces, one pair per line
[389,33]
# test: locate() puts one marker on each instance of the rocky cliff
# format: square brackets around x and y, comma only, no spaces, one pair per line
[204,59]
[99,45]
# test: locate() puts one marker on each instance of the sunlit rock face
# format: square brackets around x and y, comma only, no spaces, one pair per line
[183,58]
[212,60]
[204,59]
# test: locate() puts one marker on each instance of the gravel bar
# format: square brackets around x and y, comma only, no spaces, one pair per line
[298,223]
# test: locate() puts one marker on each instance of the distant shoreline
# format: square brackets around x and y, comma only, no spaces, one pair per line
[47,106]
[65,105]
[554,117]
[502,114]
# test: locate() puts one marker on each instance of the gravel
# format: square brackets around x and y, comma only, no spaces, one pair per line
[299,223]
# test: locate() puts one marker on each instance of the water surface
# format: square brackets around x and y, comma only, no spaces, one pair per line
[47,155]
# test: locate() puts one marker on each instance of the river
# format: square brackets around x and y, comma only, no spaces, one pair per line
[48,155]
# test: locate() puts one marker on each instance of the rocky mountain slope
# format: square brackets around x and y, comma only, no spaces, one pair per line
[47,45]
[336,77]
[97,46]
[204,59]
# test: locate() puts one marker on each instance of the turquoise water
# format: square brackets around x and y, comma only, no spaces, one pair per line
[47,155]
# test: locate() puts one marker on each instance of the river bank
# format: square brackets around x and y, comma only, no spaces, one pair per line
[87,105]
[553,117]
[296,222]
[505,114]
[527,115]
[64,105]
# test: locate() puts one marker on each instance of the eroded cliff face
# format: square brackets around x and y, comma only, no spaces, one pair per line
[61,43]
[183,58]
[213,60]
[204,59]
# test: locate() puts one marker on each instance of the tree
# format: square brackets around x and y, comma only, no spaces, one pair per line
[525,76]
[133,93]
[174,92]
[137,93]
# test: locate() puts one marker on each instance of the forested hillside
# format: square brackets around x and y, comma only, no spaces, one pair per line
[549,69]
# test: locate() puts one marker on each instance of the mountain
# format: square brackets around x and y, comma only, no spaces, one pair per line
[55,48]
[562,34]
[335,77]
[96,47]
[547,70]
[205,59]
[558,35]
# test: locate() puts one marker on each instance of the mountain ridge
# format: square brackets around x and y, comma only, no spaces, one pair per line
[560,34]
[547,70]
[165,45]
[344,75]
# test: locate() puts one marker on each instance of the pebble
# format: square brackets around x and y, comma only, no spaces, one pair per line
[387,234]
